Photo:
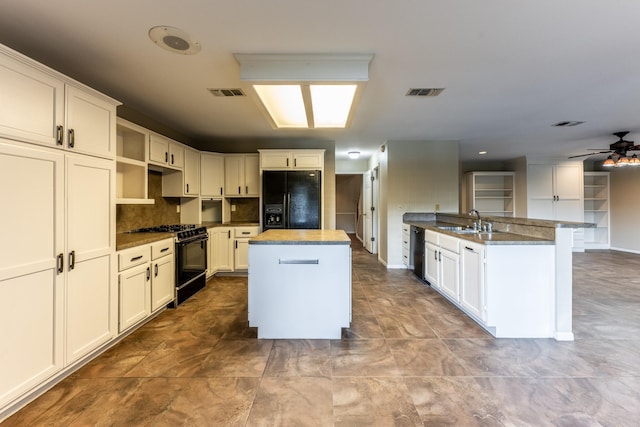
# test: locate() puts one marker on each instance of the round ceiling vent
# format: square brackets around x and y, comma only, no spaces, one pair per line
[174,40]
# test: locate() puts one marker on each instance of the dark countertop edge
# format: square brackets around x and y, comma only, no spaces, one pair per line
[131,240]
[525,221]
[521,239]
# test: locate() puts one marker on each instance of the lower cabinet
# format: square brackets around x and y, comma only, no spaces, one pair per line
[229,248]
[146,281]
[472,279]
[442,263]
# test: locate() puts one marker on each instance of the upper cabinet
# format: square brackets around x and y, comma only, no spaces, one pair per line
[44,107]
[242,175]
[491,193]
[291,159]
[131,164]
[554,191]
[185,182]
[165,152]
[211,175]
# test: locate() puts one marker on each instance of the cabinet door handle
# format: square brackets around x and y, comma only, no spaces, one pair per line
[435,255]
[155,273]
[148,273]
[71,138]
[246,189]
[469,249]
[72,260]
[236,244]
[135,258]
[60,263]
[172,159]
[221,191]
[187,188]
[287,162]
[59,132]
[229,236]
[166,157]
[439,256]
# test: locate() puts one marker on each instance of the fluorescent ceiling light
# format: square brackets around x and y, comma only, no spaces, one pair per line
[327,86]
[284,104]
[354,154]
[331,104]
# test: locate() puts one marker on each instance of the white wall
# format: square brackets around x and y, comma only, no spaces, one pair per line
[625,209]
[415,176]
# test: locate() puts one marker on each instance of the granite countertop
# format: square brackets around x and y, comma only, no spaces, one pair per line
[495,238]
[130,240]
[301,237]
[212,224]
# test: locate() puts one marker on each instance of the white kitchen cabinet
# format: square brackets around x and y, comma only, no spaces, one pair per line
[491,193]
[221,250]
[291,159]
[406,246]
[472,279]
[241,246]
[44,107]
[242,175]
[90,240]
[165,152]
[185,182]
[597,210]
[134,287]
[32,267]
[132,143]
[442,262]
[211,175]
[162,274]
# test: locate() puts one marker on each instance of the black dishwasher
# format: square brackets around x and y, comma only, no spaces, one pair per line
[417,251]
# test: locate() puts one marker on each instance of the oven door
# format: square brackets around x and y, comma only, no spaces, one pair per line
[191,260]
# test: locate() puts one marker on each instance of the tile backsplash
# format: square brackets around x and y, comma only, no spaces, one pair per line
[247,210]
[130,217]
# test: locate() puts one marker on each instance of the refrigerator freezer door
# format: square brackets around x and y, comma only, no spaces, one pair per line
[303,199]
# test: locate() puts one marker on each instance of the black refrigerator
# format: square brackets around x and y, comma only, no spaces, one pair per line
[291,199]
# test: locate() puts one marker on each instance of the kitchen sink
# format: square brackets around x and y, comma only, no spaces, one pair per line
[459,229]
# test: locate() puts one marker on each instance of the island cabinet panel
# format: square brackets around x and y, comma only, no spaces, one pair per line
[299,291]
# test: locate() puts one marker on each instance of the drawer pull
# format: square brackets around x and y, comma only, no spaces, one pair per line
[298,261]
[164,249]
[136,258]
[246,232]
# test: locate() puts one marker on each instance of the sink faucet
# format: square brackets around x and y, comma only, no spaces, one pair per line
[479,223]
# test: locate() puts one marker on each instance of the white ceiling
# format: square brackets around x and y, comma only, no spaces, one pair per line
[510,69]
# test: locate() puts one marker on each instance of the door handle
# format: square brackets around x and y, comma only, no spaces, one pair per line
[60,263]
[72,260]
[71,138]
[166,157]
[187,188]
[148,273]
[59,132]
[156,271]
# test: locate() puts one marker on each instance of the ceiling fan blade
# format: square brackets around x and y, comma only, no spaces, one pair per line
[590,154]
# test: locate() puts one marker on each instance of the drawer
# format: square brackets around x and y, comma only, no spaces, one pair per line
[431,237]
[246,231]
[128,258]
[450,243]
[161,248]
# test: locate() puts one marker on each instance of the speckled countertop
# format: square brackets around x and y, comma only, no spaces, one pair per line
[130,240]
[495,238]
[301,237]
[211,224]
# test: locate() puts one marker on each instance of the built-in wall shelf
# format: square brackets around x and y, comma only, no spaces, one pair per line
[597,210]
[491,193]
[131,164]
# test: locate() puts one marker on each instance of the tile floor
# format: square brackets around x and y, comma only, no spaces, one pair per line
[409,359]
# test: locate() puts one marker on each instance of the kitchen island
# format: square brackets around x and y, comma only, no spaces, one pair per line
[300,284]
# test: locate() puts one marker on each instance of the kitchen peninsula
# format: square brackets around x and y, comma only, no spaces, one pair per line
[300,283]
[516,281]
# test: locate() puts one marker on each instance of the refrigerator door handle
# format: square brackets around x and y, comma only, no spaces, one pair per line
[288,210]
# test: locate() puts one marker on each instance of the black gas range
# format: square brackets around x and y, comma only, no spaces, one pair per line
[191,257]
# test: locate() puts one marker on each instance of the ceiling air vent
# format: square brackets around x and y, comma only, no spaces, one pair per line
[567,124]
[227,92]
[424,91]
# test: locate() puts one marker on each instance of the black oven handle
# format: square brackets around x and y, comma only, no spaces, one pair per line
[203,238]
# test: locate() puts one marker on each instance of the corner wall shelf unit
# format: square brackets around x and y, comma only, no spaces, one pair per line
[131,164]
[596,210]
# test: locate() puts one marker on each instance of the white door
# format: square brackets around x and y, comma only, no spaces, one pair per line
[370,210]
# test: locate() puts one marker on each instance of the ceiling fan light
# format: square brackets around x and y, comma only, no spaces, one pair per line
[609,163]
[634,161]
[623,161]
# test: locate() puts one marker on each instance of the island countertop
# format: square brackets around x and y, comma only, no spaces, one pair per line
[301,237]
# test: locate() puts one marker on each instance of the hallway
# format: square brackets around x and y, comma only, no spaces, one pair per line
[410,358]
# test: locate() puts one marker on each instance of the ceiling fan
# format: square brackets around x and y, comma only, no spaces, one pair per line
[617,152]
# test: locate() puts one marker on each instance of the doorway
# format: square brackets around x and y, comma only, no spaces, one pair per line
[349,203]
[370,188]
